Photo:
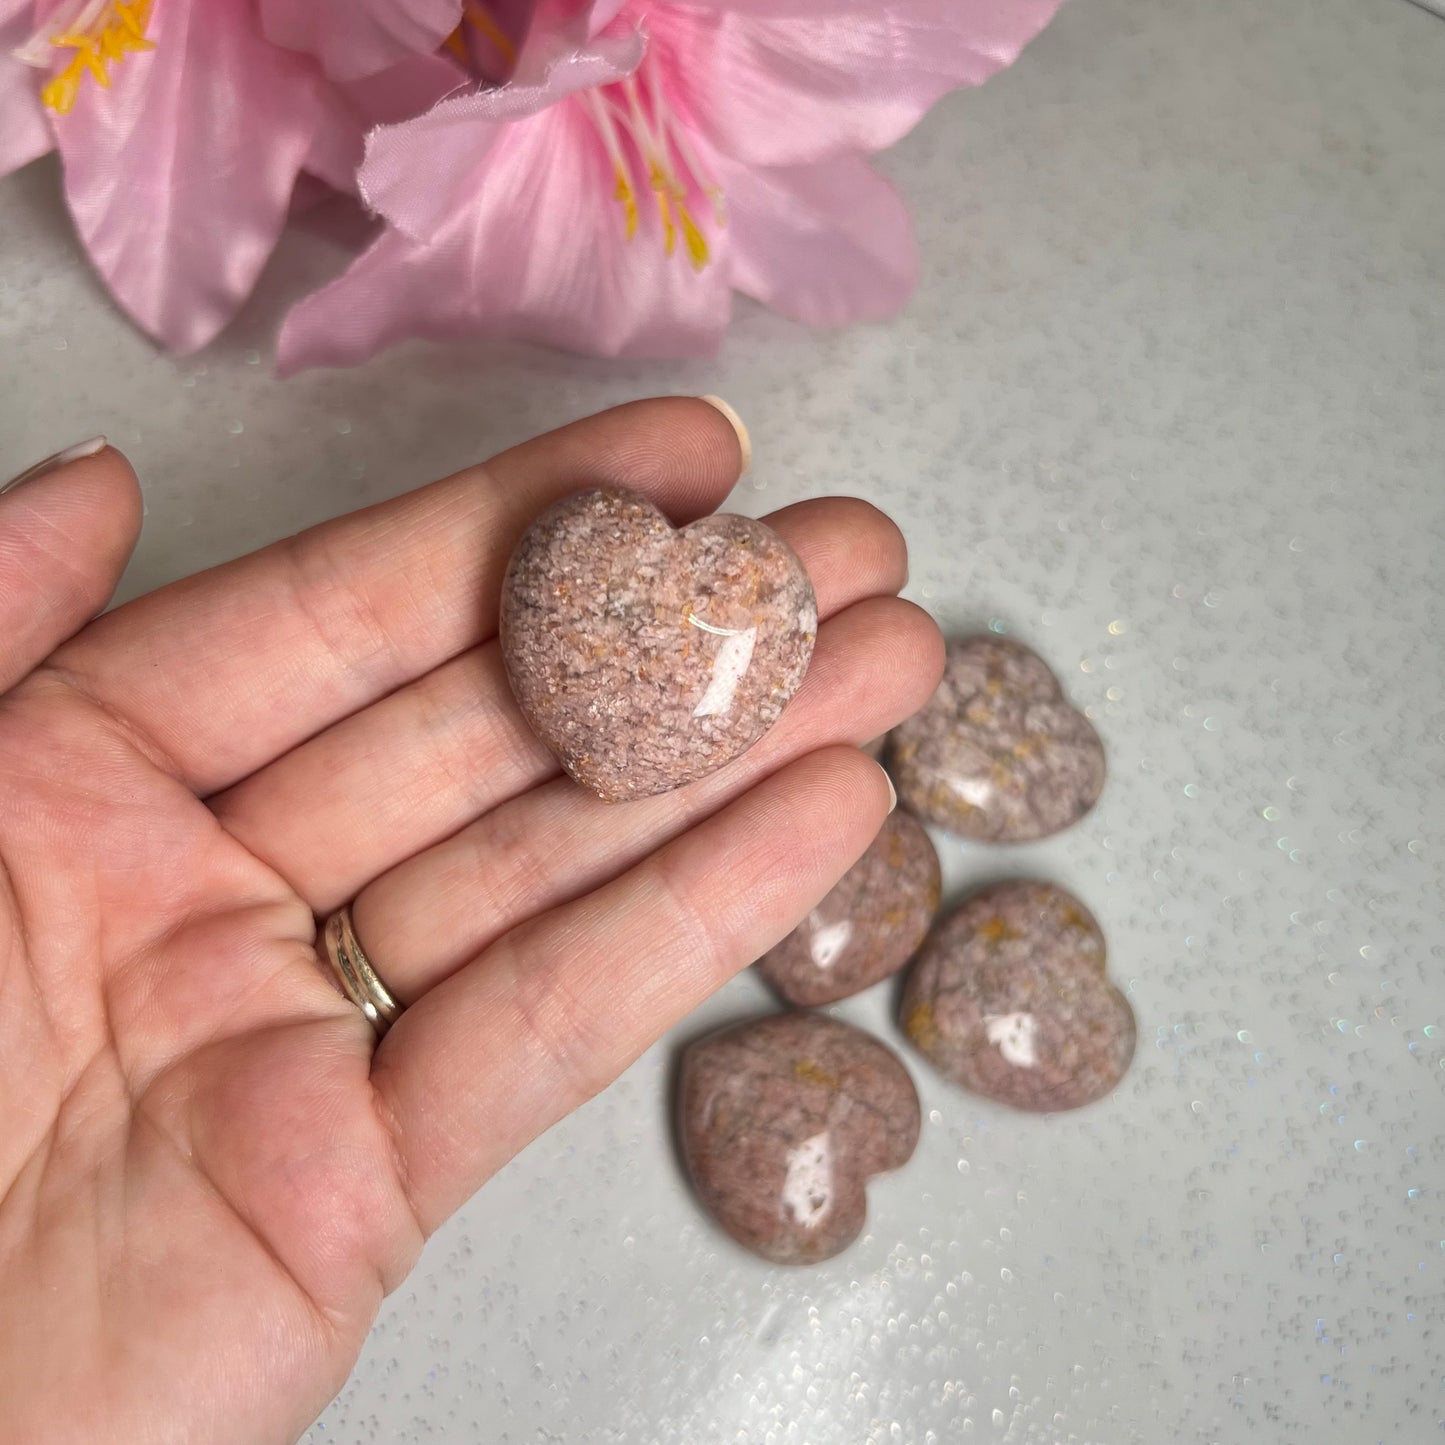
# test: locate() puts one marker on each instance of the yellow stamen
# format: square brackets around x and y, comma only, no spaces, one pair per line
[660,189]
[697,251]
[628,197]
[680,143]
[457,45]
[99,36]
[59,94]
[623,191]
[133,19]
[641,134]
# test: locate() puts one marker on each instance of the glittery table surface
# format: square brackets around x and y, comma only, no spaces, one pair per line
[1169,408]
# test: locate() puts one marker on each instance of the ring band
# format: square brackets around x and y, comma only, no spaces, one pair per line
[355,974]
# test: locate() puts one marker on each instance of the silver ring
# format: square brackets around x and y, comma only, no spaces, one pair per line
[355,974]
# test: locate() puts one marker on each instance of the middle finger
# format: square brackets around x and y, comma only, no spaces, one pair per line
[415,767]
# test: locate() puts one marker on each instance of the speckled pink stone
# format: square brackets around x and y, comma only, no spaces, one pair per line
[645,656]
[784,1121]
[1009,998]
[868,927]
[998,754]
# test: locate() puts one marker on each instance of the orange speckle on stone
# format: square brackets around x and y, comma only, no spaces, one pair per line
[810,1072]
[920,1025]
[941,799]
[994,930]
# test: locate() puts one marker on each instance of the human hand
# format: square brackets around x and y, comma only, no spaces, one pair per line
[210,1173]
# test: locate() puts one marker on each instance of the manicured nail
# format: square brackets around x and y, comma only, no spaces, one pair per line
[51,464]
[892,791]
[744,440]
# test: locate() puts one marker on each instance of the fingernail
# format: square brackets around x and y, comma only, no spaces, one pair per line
[744,440]
[892,791]
[50,464]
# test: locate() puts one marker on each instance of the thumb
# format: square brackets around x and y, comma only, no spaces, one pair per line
[67,529]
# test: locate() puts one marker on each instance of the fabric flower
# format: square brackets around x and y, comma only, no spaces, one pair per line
[363,45]
[613,210]
[182,131]
[356,38]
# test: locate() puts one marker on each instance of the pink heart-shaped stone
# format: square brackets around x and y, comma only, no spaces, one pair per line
[644,655]
[1009,998]
[868,926]
[784,1121]
[998,753]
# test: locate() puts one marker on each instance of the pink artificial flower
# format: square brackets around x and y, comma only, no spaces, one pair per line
[351,108]
[611,205]
[357,38]
[362,45]
[182,132]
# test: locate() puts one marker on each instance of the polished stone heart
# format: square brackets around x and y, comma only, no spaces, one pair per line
[998,753]
[867,927]
[784,1121]
[1009,998]
[646,656]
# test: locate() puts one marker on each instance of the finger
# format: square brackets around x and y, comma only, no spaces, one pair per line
[66,534]
[229,669]
[420,764]
[875,664]
[557,1009]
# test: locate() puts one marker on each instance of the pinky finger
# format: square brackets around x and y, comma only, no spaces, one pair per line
[555,1010]
[67,529]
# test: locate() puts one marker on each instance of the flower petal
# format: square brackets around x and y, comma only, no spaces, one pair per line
[417,174]
[801,80]
[354,38]
[350,109]
[604,12]
[537,253]
[824,244]
[179,175]
[24,134]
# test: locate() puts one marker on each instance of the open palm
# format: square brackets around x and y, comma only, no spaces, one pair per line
[210,1173]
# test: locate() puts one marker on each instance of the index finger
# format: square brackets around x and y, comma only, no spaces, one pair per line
[224,671]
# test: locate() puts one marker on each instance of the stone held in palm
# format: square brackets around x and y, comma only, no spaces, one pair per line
[1009,998]
[998,754]
[784,1120]
[868,926]
[646,656]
